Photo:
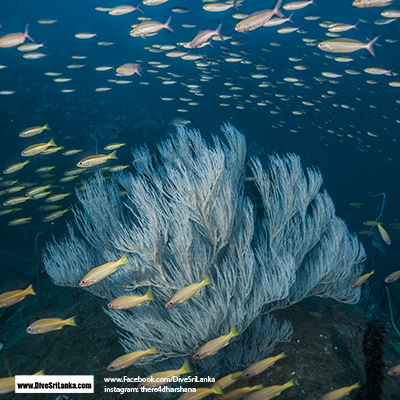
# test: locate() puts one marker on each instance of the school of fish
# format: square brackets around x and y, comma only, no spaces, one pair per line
[225,59]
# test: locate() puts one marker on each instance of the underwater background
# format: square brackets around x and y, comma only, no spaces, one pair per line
[280,90]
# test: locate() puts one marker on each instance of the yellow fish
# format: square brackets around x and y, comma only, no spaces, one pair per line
[130,358]
[201,393]
[37,148]
[161,378]
[359,281]
[228,380]
[15,167]
[339,393]
[45,325]
[37,190]
[384,234]
[92,161]
[358,205]
[57,197]
[99,273]
[392,277]
[186,293]
[214,345]
[239,393]
[19,221]
[261,366]
[114,146]
[16,200]
[124,302]
[55,215]
[382,231]
[7,385]
[33,131]
[9,298]
[270,392]
[72,152]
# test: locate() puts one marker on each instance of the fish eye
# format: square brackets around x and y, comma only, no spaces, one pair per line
[29,329]
[197,355]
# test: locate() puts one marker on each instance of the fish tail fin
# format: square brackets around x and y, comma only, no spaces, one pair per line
[149,294]
[235,4]
[206,280]
[166,25]
[124,259]
[218,31]
[276,9]
[152,350]
[290,18]
[26,33]
[71,321]
[355,26]
[356,385]
[7,362]
[236,375]
[46,126]
[113,155]
[138,9]
[29,290]
[186,367]
[234,332]
[288,384]
[52,143]
[370,44]
[282,355]
[41,372]
[217,389]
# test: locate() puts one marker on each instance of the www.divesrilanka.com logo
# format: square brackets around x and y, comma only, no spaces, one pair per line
[54,385]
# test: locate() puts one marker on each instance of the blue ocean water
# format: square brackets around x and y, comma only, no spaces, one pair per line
[346,126]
